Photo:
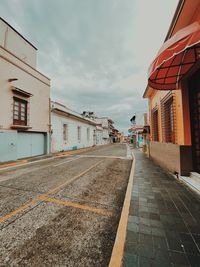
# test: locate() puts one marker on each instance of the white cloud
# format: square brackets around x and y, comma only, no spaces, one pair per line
[96,52]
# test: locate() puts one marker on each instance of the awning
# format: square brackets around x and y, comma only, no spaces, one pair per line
[175,58]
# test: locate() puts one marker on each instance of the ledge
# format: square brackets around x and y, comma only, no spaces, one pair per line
[23,127]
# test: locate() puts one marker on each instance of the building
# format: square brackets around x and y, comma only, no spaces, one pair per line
[99,128]
[24,101]
[106,125]
[136,135]
[70,130]
[99,134]
[173,92]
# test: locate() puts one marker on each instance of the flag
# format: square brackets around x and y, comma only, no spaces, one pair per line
[133,119]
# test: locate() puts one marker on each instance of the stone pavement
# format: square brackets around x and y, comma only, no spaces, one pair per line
[164,220]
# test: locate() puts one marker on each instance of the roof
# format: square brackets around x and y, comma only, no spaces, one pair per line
[17,32]
[64,110]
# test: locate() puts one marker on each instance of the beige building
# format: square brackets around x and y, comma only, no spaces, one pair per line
[24,101]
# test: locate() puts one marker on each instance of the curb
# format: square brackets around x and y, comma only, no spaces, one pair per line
[21,163]
[13,164]
[118,248]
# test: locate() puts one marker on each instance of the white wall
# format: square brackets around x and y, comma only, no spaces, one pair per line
[57,142]
[30,81]
[13,42]
[99,137]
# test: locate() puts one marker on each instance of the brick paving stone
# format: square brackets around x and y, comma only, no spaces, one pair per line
[130,260]
[164,220]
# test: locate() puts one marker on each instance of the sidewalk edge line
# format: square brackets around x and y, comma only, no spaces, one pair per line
[118,248]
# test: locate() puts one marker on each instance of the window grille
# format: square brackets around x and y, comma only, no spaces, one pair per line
[65,132]
[88,134]
[79,133]
[19,111]
[168,118]
[155,129]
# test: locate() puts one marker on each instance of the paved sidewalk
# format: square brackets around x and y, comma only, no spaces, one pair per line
[164,220]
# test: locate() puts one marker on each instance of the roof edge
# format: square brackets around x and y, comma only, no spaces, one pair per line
[18,32]
[148,91]
[73,115]
[175,19]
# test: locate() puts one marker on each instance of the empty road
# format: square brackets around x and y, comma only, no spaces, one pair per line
[63,211]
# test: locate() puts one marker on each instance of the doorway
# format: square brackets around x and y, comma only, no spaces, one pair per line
[194,95]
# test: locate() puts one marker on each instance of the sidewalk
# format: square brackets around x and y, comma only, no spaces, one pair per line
[164,220]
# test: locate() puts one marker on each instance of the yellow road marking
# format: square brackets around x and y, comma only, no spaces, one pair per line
[12,164]
[18,210]
[118,248]
[73,151]
[76,205]
[53,190]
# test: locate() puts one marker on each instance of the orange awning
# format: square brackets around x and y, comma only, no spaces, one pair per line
[175,58]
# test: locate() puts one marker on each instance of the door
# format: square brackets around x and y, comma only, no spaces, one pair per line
[194,93]
[30,144]
[8,146]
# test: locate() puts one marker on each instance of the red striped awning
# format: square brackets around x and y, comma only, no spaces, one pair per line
[175,58]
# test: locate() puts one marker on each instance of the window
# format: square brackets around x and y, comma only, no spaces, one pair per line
[88,134]
[79,133]
[168,118]
[65,132]
[19,111]
[155,131]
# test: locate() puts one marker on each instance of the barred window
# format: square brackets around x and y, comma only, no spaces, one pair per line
[79,133]
[168,118]
[19,111]
[88,134]
[155,131]
[65,132]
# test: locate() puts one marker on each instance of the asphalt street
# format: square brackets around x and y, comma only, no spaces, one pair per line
[63,211]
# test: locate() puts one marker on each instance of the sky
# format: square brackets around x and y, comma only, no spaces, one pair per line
[96,52]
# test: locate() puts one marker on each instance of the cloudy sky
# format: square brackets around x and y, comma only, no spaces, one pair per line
[96,52]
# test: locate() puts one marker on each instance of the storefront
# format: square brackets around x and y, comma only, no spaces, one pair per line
[174,94]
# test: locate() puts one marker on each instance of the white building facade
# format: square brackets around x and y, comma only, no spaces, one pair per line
[70,130]
[107,129]
[24,98]
[99,135]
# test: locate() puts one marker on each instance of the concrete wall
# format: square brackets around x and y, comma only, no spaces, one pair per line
[18,61]
[16,44]
[30,81]
[57,142]
[172,157]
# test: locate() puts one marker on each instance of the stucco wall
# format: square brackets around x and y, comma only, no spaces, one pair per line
[30,81]
[172,157]
[155,100]
[13,42]
[99,137]
[57,142]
